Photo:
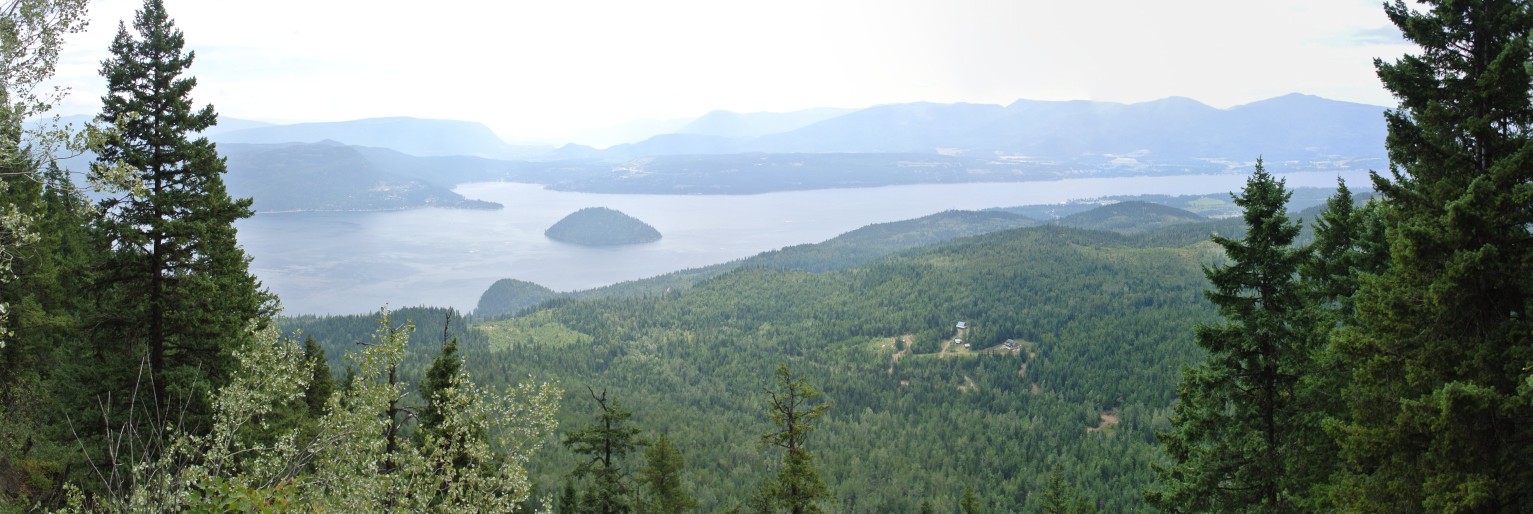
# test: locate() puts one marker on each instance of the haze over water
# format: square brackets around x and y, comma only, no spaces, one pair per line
[355,262]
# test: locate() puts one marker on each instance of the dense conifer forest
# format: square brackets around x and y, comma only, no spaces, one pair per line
[1370,355]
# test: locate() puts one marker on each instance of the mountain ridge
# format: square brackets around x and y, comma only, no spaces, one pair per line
[415,136]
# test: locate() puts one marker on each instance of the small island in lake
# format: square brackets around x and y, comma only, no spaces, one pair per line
[600,226]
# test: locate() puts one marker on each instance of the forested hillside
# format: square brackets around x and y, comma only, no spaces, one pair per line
[1098,323]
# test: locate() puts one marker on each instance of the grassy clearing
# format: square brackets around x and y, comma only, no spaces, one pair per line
[536,329]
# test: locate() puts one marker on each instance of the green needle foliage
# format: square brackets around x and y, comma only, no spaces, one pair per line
[1440,407]
[969,504]
[798,488]
[605,444]
[661,475]
[176,296]
[1238,415]
[1060,498]
[438,378]
[321,382]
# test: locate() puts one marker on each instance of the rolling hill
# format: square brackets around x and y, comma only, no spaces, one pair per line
[327,176]
[847,250]
[1130,217]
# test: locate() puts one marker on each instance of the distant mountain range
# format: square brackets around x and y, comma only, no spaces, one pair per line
[412,136]
[1298,129]
[733,125]
[732,153]
[225,124]
[1172,130]
[915,143]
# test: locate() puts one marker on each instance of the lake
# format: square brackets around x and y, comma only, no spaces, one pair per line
[355,262]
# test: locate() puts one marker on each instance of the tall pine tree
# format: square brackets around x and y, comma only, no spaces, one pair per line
[793,409]
[1237,418]
[175,293]
[1444,337]
[606,444]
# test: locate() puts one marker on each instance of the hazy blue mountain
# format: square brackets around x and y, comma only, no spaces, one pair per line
[674,144]
[413,136]
[913,143]
[913,127]
[748,173]
[1292,128]
[1116,132]
[574,151]
[1325,127]
[752,125]
[450,170]
[225,123]
[627,132]
[327,176]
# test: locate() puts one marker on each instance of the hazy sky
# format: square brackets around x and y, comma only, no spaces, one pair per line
[541,69]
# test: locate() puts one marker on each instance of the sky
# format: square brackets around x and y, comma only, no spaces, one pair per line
[544,71]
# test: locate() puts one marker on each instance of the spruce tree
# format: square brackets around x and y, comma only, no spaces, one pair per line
[438,378]
[321,383]
[569,499]
[1236,420]
[606,444]
[661,475]
[1330,278]
[968,504]
[1060,498]
[31,37]
[175,293]
[43,295]
[1440,407]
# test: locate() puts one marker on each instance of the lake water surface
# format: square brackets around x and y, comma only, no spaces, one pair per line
[355,262]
